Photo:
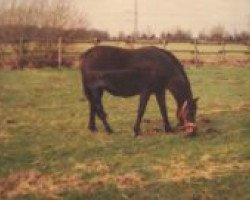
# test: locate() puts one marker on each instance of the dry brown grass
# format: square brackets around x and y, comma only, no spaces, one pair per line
[49,186]
[179,170]
[93,167]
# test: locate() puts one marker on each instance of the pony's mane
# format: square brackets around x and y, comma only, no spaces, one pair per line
[179,65]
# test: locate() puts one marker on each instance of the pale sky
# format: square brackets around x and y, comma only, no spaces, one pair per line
[166,15]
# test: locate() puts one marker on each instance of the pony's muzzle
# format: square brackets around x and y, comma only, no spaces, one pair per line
[190,128]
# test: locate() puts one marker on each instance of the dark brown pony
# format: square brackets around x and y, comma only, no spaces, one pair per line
[144,71]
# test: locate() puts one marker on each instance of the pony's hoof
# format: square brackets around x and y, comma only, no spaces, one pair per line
[82,99]
[109,131]
[169,130]
[93,129]
[136,135]
[137,132]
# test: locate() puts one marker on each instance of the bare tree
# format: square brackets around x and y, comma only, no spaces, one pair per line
[217,33]
[44,14]
[121,35]
[21,20]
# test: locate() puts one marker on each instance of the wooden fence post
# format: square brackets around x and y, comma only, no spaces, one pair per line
[223,51]
[248,48]
[59,58]
[1,52]
[196,52]
[21,53]
[165,43]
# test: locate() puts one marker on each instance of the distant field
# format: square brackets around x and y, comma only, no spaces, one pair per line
[46,151]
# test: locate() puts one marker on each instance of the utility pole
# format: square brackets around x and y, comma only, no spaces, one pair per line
[135,19]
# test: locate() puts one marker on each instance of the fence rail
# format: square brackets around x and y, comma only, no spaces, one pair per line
[61,51]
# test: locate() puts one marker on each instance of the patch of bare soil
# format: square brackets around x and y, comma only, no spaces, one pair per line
[11,121]
[50,186]
[205,124]
[128,180]
[179,170]
[152,132]
[146,121]
[211,130]
[203,120]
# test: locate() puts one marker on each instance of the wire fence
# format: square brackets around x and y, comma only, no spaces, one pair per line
[62,52]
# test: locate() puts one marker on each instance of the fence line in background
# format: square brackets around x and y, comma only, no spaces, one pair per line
[60,52]
[56,49]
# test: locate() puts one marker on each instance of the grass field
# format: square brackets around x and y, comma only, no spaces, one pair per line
[46,151]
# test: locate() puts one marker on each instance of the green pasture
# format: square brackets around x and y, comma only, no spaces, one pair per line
[47,152]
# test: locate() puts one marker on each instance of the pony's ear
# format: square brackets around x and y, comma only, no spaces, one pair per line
[196,99]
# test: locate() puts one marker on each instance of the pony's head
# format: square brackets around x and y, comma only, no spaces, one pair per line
[187,114]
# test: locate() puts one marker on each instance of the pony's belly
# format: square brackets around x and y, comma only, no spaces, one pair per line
[123,92]
[126,84]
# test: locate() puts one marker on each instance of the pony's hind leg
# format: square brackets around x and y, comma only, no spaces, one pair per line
[141,109]
[97,96]
[92,110]
[92,113]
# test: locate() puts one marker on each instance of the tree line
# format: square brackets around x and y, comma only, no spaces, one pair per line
[216,34]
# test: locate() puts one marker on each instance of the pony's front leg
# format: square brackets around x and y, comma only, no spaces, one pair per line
[179,117]
[161,100]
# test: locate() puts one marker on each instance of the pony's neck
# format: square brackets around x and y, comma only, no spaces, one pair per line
[181,91]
